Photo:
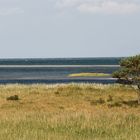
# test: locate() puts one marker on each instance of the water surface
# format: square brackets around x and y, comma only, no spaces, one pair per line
[56,70]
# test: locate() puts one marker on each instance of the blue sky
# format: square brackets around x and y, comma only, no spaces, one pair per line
[69,28]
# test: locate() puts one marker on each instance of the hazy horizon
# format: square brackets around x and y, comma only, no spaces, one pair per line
[64,57]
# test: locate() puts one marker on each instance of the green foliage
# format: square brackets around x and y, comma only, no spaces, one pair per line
[130,70]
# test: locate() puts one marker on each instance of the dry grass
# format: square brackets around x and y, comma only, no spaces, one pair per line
[72,111]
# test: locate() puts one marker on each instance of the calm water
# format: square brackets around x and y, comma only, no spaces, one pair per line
[55,70]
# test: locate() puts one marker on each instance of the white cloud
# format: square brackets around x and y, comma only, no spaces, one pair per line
[69,3]
[110,7]
[101,6]
[10,11]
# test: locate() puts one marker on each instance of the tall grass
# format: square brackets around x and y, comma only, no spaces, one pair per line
[72,112]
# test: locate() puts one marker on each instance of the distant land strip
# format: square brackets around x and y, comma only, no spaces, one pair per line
[55,66]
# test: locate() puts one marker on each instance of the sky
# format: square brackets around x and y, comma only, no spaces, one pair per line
[69,28]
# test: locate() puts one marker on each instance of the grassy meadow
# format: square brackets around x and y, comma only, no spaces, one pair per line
[69,112]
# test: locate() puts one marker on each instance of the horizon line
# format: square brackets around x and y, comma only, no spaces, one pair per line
[62,57]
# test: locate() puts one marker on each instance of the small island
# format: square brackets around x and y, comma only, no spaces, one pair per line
[89,75]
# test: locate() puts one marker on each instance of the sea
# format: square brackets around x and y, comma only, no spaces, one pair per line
[56,70]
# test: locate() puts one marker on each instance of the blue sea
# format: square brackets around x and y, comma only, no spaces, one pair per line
[56,70]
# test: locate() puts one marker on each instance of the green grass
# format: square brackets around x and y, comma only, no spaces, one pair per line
[89,75]
[69,112]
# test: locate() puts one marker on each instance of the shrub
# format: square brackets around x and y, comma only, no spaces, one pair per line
[14,98]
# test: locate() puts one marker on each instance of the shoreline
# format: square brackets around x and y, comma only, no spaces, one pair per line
[59,81]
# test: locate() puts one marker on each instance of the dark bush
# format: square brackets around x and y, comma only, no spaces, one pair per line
[14,98]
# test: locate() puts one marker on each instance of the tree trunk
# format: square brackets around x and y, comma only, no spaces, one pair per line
[139,94]
[139,97]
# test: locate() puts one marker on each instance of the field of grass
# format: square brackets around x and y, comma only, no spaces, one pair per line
[69,112]
[89,75]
